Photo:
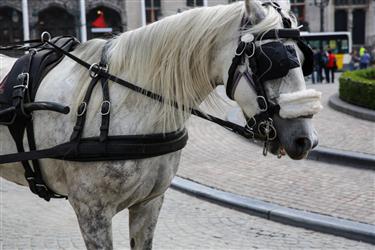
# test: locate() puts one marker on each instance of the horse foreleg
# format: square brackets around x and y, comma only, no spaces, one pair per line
[95,222]
[142,222]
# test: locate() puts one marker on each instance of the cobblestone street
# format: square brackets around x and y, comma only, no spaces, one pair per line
[185,222]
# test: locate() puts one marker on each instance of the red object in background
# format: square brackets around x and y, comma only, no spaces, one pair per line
[100,21]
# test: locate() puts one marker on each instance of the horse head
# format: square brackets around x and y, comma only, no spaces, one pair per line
[266,79]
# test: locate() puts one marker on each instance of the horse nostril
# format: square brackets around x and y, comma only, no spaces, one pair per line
[303,143]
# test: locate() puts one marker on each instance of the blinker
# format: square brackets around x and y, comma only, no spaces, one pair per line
[274,60]
[308,63]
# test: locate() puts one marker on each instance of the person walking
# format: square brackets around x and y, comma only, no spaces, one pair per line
[331,67]
[315,75]
[323,64]
[354,60]
[364,61]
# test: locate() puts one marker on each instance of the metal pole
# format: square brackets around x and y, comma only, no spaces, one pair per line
[321,17]
[82,6]
[143,12]
[25,20]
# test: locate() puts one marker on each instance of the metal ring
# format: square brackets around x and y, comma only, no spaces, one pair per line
[96,67]
[274,131]
[260,131]
[264,101]
[244,47]
[109,108]
[252,54]
[254,122]
[92,73]
[84,109]
[45,33]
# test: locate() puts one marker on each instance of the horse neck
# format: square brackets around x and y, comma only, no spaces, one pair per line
[174,58]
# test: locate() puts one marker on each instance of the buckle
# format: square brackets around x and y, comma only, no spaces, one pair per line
[95,69]
[102,108]
[81,109]
[24,79]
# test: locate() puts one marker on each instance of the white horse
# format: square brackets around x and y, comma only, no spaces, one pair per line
[183,58]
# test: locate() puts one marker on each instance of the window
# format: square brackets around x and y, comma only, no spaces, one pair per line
[153,10]
[194,3]
[341,20]
[298,8]
[350,2]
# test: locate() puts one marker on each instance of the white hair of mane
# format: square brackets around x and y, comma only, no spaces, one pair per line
[172,57]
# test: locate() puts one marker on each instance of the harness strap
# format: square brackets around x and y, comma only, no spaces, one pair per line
[82,111]
[130,147]
[22,95]
[105,111]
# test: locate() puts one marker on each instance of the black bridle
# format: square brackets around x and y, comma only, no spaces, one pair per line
[260,63]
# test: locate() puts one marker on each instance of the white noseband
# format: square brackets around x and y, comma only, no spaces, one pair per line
[300,103]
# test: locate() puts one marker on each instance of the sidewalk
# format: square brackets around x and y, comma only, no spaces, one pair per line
[339,130]
[217,158]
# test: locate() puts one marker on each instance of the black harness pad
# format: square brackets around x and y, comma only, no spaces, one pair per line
[37,65]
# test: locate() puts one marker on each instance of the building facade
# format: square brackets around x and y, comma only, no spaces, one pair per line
[62,17]
[355,16]
[59,17]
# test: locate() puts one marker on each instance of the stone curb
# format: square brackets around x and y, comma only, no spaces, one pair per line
[341,157]
[363,113]
[317,222]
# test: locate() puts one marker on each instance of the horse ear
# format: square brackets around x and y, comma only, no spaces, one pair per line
[254,10]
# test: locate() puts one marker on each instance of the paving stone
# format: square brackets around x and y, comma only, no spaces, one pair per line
[185,223]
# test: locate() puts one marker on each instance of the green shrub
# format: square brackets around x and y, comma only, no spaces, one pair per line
[358,87]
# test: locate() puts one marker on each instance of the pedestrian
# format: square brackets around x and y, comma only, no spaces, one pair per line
[354,61]
[323,64]
[316,76]
[365,60]
[362,51]
[331,67]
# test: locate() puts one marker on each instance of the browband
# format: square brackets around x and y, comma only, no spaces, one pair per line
[279,33]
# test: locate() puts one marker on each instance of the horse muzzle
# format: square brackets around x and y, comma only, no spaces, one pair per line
[296,137]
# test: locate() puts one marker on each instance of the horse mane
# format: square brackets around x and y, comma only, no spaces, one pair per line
[172,57]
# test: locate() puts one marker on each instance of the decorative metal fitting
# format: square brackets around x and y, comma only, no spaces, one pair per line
[23,78]
[95,69]
[45,37]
